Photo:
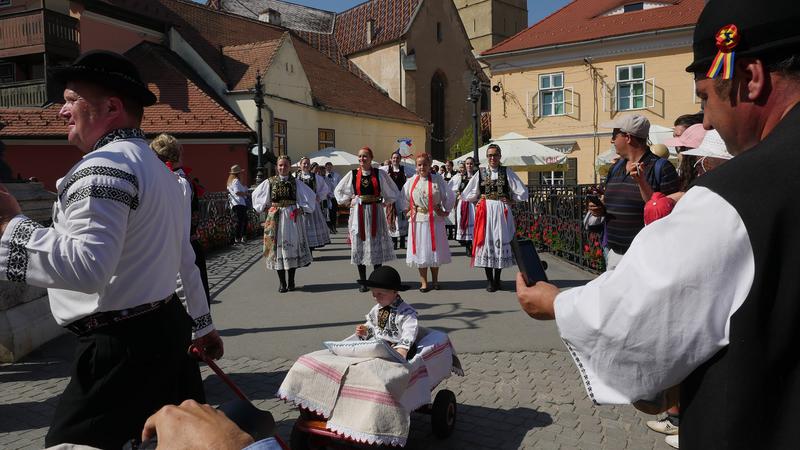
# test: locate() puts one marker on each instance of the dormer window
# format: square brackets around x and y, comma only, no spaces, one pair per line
[633,7]
[370,31]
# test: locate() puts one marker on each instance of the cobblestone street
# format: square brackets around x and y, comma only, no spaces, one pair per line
[507,399]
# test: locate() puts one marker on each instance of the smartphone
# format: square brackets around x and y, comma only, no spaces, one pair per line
[594,199]
[530,265]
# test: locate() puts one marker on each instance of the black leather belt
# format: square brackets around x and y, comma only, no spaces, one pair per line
[98,320]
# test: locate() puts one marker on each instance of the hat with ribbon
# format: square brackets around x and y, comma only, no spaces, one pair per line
[235,169]
[729,29]
[110,70]
[384,277]
[712,146]
[691,137]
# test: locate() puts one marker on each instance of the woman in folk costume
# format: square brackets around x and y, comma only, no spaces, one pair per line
[316,226]
[366,190]
[448,173]
[397,220]
[429,199]
[495,189]
[286,199]
[465,211]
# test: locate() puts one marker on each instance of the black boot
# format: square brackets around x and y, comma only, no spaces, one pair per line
[282,280]
[394,243]
[402,242]
[362,275]
[291,279]
[497,285]
[489,280]
[468,244]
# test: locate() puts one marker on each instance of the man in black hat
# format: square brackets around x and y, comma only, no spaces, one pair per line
[708,296]
[109,263]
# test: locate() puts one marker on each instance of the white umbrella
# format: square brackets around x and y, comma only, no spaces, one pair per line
[334,156]
[519,151]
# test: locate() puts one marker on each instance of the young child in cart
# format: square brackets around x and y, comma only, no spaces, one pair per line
[391,319]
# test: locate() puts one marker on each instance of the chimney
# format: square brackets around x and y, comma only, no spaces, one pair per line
[370,30]
[270,16]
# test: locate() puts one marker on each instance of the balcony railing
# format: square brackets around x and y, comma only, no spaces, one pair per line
[42,27]
[25,93]
[553,219]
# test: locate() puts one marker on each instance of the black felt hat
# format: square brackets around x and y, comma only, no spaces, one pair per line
[384,277]
[764,28]
[110,70]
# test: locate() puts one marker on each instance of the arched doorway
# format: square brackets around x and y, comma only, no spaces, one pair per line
[438,88]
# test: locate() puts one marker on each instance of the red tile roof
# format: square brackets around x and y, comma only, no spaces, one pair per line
[332,86]
[243,61]
[186,107]
[583,20]
[392,19]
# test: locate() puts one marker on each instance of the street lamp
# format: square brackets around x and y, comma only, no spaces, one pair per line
[259,99]
[475,98]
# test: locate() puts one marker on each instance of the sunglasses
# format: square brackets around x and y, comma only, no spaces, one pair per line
[492,155]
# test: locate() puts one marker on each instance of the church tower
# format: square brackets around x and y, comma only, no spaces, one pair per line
[490,21]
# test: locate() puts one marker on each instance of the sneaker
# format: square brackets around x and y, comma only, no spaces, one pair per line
[672,441]
[663,426]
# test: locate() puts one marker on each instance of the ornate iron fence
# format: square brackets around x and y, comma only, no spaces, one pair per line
[216,219]
[553,219]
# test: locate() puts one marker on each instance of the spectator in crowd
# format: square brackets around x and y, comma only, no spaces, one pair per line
[316,228]
[690,137]
[705,298]
[465,211]
[332,179]
[397,220]
[237,196]
[170,152]
[630,182]
[109,262]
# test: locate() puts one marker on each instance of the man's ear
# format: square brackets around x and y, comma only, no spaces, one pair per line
[755,79]
[114,107]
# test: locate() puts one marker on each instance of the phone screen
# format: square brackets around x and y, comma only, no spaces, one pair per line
[528,261]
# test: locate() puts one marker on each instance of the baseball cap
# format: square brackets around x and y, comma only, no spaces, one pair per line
[712,146]
[760,29]
[633,124]
[691,137]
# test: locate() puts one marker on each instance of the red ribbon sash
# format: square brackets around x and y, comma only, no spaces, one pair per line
[480,228]
[412,207]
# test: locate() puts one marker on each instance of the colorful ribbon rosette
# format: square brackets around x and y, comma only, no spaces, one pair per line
[727,39]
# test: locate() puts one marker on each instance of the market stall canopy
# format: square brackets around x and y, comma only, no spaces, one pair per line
[519,151]
[333,155]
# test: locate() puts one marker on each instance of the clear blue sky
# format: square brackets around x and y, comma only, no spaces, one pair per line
[537,9]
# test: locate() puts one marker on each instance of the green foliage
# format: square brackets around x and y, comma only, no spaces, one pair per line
[463,145]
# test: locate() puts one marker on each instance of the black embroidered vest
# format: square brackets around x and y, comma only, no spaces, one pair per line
[283,190]
[464,182]
[398,177]
[747,395]
[310,182]
[494,187]
[366,182]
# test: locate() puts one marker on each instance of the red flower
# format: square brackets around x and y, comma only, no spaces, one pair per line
[598,252]
[586,248]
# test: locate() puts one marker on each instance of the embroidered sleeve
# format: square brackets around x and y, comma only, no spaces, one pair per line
[344,190]
[13,249]
[518,190]
[408,328]
[306,198]
[261,196]
[472,192]
[389,190]
[323,190]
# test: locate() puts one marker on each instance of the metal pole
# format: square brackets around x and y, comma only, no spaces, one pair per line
[475,97]
[259,100]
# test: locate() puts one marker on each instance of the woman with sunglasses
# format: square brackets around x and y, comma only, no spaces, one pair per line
[495,189]
[366,190]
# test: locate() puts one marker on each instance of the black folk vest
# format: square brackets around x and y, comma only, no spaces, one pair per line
[399,177]
[494,187]
[283,190]
[310,181]
[366,182]
[747,396]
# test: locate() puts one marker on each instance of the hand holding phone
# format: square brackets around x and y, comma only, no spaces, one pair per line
[530,266]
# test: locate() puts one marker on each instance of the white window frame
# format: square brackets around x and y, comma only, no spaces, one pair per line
[630,81]
[11,65]
[535,105]
[552,178]
[4,3]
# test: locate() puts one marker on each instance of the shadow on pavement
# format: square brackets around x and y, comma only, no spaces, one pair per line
[36,414]
[310,326]
[330,286]
[257,385]
[331,258]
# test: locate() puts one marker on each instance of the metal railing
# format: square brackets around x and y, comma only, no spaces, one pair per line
[38,28]
[215,221]
[553,218]
[25,93]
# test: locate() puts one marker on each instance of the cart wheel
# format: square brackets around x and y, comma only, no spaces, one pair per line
[299,440]
[443,414]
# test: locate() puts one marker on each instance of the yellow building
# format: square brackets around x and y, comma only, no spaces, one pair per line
[587,63]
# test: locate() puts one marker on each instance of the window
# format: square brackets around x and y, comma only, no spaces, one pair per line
[279,137]
[326,138]
[6,71]
[5,3]
[634,7]
[630,87]
[551,94]
[551,178]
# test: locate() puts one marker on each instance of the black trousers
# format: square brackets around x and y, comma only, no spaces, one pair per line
[200,262]
[241,221]
[122,374]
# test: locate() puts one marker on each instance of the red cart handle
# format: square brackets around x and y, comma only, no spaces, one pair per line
[198,353]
